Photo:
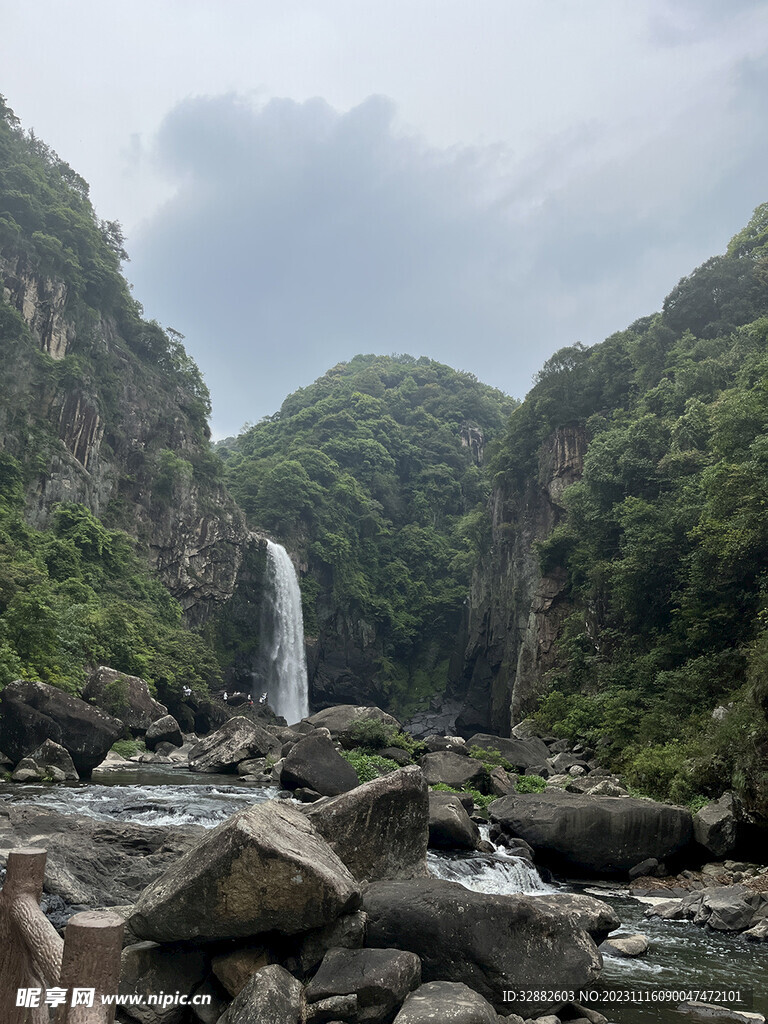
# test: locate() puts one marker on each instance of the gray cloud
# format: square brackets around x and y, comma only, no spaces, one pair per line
[298,236]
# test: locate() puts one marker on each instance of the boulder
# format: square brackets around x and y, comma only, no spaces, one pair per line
[341,719]
[148,969]
[91,862]
[379,978]
[396,754]
[486,941]
[27,771]
[450,827]
[379,830]
[270,996]
[308,950]
[314,763]
[667,910]
[521,753]
[449,1002]
[31,713]
[502,784]
[164,730]
[454,770]
[209,716]
[726,908]
[593,835]
[263,869]
[596,917]
[714,826]
[625,946]
[125,697]
[234,969]
[50,756]
[237,740]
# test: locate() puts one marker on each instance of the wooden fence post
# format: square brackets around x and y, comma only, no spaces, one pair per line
[93,943]
[30,947]
[34,957]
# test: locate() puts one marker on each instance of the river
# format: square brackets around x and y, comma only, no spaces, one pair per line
[681,955]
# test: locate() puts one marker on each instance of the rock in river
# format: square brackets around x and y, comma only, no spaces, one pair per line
[32,712]
[379,829]
[488,942]
[593,835]
[263,869]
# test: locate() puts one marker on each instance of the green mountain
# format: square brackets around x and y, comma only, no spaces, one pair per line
[108,484]
[373,476]
[636,473]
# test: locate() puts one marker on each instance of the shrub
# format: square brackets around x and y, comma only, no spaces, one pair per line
[530,784]
[369,766]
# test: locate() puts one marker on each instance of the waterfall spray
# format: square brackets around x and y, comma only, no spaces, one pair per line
[285,662]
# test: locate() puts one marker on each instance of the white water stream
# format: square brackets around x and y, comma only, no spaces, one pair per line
[284,660]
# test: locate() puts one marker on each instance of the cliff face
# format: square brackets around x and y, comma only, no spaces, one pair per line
[94,423]
[515,611]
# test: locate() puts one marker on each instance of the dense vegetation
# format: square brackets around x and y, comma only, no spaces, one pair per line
[666,536]
[368,474]
[77,594]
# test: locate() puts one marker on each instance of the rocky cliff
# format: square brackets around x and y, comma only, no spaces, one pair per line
[515,610]
[118,428]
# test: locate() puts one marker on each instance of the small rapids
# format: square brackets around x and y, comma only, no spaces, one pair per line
[146,797]
[496,872]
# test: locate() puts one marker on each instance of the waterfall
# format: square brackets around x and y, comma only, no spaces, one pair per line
[284,658]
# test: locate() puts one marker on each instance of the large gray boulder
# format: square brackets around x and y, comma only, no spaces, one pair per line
[125,697]
[148,969]
[521,753]
[378,829]
[454,770]
[593,835]
[450,827]
[446,1002]
[379,978]
[488,942]
[714,826]
[164,730]
[596,917]
[32,712]
[341,719]
[264,869]
[314,763]
[50,755]
[726,908]
[271,996]
[91,862]
[237,740]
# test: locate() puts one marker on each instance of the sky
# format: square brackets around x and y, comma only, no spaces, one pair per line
[480,182]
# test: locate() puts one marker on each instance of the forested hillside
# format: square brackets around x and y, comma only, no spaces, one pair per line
[664,540]
[374,477]
[106,470]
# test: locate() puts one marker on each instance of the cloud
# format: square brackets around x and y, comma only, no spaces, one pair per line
[299,235]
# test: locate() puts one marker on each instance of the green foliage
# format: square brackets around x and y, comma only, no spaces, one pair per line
[367,472]
[369,766]
[78,594]
[530,784]
[491,758]
[128,748]
[481,800]
[371,735]
[665,541]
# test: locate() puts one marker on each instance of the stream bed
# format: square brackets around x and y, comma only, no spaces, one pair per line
[681,956]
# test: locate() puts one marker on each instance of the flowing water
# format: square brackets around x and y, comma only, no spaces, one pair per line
[148,795]
[284,661]
[681,955]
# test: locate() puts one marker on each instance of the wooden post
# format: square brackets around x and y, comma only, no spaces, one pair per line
[30,947]
[93,943]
